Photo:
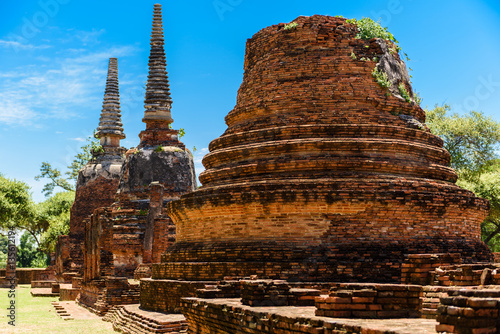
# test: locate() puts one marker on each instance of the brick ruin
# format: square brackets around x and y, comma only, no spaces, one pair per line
[321,175]
[327,206]
[99,176]
[134,231]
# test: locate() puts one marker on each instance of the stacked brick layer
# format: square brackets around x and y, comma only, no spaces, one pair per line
[99,296]
[469,311]
[165,295]
[228,316]
[27,275]
[431,298]
[418,268]
[371,301]
[265,293]
[318,157]
[131,319]
[467,275]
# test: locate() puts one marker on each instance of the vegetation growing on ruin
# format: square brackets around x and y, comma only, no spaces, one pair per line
[418,99]
[368,29]
[381,77]
[291,26]
[404,92]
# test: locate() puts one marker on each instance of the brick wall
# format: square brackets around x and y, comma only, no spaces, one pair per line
[165,295]
[26,275]
[418,267]
[69,254]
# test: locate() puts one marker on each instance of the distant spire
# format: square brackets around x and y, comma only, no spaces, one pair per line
[110,129]
[158,101]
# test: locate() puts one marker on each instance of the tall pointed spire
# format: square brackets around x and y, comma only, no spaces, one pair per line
[110,130]
[158,101]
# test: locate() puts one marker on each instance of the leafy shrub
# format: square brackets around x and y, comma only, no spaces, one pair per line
[382,78]
[368,29]
[291,26]
[404,93]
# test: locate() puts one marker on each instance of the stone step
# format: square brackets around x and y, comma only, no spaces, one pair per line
[131,322]
[61,311]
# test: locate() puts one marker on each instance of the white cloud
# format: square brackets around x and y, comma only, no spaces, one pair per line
[20,46]
[58,90]
[13,113]
[89,36]
[199,154]
[120,51]
[78,139]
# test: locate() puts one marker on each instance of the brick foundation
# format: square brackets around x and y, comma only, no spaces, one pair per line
[371,301]
[165,295]
[229,316]
[100,295]
[418,267]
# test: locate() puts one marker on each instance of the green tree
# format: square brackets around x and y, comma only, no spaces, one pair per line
[50,216]
[56,180]
[473,141]
[55,214]
[55,175]
[43,222]
[28,255]
[83,157]
[16,205]
[4,244]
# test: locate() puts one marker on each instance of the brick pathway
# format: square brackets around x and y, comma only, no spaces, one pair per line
[375,326]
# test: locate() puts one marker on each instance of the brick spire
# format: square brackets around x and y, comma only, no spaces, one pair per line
[158,101]
[110,130]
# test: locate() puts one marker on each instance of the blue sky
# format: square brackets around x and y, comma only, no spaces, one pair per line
[54,53]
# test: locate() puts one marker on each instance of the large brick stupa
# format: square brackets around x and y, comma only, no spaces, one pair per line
[322,174]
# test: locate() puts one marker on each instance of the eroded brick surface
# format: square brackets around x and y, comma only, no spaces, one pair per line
[321,175]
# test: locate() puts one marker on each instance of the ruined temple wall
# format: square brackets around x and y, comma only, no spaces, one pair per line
[96,193]
[163,237]
[96,188]
[97,243]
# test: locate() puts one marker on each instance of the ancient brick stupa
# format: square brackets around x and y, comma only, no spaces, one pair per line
[97,180]
[322,174]
[160,156]
[134,231]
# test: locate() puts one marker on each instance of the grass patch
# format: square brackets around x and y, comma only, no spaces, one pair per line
[36,315]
